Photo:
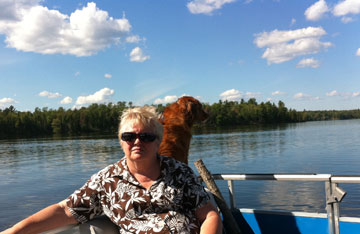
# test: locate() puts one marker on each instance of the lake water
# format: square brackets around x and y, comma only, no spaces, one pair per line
[35,173]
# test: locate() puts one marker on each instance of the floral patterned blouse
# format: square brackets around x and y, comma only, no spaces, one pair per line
[168,206]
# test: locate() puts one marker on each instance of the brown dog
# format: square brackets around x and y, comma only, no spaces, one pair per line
[178,118]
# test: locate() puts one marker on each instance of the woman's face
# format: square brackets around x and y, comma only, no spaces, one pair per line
[137,150]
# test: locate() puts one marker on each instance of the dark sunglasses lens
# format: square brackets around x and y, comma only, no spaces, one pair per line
[147,137]
[144,137]
[128,136]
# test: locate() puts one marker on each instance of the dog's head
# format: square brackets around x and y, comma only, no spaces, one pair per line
[192,109]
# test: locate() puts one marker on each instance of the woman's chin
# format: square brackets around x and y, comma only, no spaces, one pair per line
[137,156]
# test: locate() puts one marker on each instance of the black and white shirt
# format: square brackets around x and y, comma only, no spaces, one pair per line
[168,206]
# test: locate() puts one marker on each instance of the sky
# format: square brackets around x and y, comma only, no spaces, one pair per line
[72,53]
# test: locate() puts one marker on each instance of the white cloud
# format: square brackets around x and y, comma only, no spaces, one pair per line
[300,95]
[169,99]
[166,99]
[356,94]
[39,29]
[351,94]
[49,94]
[206,6]
[100,96]
[309,62]
[284,52]
[236,95]
[231,95]
[332,93]
[136,55]
[277,37]
[107,75]
[7,101]
[77,74]
[303,96]
[252,94]
[133,39]
[66,100]
[347,7]
[10,8]
[346,19]
[283,46]
[293,21]
[358,52]
[335,93]
[278,93]
[316,11]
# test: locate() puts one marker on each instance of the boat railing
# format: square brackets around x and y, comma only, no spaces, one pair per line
[334,194]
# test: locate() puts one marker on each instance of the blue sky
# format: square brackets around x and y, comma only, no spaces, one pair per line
[73,53]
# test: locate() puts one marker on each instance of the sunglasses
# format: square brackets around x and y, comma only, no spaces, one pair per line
[144,137]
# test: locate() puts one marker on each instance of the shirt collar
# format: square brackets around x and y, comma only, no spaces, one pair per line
[121,170]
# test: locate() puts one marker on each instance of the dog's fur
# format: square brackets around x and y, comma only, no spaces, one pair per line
[178,118]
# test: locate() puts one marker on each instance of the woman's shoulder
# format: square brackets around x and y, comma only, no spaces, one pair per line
[171,164]
[171,161]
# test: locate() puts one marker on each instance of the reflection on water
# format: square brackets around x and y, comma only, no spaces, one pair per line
[37,172]
[329,147]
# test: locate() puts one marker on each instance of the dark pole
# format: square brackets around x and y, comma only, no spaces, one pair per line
[229,221]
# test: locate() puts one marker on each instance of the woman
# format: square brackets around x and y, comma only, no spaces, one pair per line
[142,193]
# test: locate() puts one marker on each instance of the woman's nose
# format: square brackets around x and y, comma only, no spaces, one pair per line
[137,141]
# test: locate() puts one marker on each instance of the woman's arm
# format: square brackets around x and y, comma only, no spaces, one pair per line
[51,217]
[209,218]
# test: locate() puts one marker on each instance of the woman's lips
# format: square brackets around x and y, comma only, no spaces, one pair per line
[136,149]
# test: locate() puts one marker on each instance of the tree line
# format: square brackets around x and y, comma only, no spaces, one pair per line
[104,118]
[232,113]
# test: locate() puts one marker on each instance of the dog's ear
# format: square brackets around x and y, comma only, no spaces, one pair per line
[186,104]
[190,107]
[180,101]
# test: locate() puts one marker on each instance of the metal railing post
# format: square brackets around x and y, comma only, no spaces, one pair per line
[231,194]
[329,208]
[334,195]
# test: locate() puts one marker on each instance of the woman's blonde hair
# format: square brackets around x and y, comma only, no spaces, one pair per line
[145,116]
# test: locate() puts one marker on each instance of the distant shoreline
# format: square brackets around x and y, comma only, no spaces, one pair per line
[103,119]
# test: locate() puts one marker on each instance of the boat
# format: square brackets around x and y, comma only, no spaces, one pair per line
[253,221]
[277,222]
